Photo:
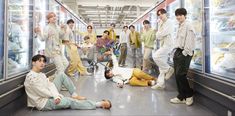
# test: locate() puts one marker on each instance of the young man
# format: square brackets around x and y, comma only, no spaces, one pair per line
[44,95]
[134,39]
[124,36]
[112,33]
[185,42]
[75,63]
[52,36]
[148,37]
[103,44]
[164,35]
[90,33]
[86,47]
[133,76]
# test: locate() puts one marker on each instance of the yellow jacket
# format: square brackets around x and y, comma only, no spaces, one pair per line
[134,38]
[112,35]
[93,37]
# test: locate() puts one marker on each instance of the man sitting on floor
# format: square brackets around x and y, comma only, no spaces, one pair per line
[44,95]
[133,76]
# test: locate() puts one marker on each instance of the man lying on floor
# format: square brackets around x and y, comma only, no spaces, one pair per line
[133,76]
[44,95]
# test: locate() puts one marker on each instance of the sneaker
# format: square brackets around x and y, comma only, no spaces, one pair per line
[158,87]
[177,101]
[169,73]
[189,101]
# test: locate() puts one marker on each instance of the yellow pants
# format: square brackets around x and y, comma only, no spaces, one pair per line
[75,63]
[140,78]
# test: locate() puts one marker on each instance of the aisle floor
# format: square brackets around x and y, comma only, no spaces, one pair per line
[126,101]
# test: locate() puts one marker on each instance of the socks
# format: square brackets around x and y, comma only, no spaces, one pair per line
[98,104]
[74,94]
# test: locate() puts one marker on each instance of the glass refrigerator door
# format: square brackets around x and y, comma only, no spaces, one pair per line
[19,32]
[63,15]
[39,21]
[222,37]
[172,5]
[54,7]
[194,8]
[2,4]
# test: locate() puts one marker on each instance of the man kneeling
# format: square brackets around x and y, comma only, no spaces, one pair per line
[133,76]
[44,95]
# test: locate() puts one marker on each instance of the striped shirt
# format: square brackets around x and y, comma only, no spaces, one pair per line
[185,38]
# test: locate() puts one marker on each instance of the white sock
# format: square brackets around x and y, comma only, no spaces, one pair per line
[74,94]
[98,104]
[152,82]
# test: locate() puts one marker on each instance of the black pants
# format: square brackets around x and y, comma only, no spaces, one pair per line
[181,66]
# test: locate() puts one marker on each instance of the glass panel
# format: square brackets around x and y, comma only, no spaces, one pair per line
[39,21]
[54,7]
[63,15]
[222,37]
[1,37]
[194,8]
[19,27]
[172,5]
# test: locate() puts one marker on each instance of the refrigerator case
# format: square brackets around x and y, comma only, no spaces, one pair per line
[171,7]
[194,8]
[222,37]
[2,4]
[39,21]
[19,16]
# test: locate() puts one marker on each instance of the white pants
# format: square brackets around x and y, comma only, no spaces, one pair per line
[60,62]
[160,58]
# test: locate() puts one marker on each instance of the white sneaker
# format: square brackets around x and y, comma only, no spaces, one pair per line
[158,87]
[189,101]
[169,73]
[177,101]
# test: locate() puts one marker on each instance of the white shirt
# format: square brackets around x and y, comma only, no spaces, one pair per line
[124,37]
[39,89]
[120,74]
[164,33]
[186,38]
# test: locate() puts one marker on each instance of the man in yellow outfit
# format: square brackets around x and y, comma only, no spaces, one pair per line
[75,63]
[133,76]
[90,34]
[134,39]
[112,33]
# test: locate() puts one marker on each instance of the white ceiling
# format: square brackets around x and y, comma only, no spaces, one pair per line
[101,13]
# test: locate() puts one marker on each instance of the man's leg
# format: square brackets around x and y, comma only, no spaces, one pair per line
[146,59]
[62,79]
[134,81]
[160,58]
[72,49]
[134,56]
[67,102]
[121,58]
[125,55]
[142,75]
[181,65]
[60,67]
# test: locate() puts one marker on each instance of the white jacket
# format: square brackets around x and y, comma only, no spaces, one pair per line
[39,89]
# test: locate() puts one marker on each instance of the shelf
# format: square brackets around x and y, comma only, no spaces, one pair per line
[224,33]
[225,50]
